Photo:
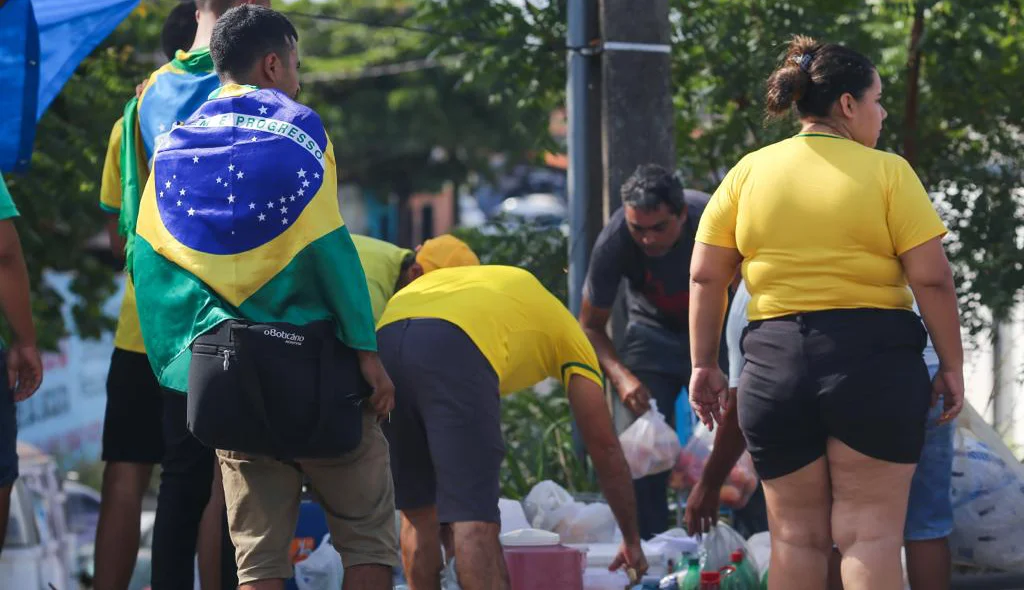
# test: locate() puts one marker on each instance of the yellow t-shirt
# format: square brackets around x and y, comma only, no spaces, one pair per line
[129,334]
[382,262]
[522,329]
[821,222]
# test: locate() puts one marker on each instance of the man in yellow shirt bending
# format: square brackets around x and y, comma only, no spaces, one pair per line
[455,341]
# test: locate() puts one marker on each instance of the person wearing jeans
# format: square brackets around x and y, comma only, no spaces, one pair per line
[930,509]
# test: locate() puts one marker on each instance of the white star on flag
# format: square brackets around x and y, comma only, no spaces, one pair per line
[292,198]
[284,221]
[263,217]
[284,210]
[167,184]
[219,179]
[252,205]
[231,167]
[174,176]
[305,183]
[302,192]
[283,200]
[161,193]
[231,198]
[270,204]
[195,159]
[241,174]
[191,211]
[263,110]
[301,173]
[179,203]
[253,138]
[316,175]
[182,192]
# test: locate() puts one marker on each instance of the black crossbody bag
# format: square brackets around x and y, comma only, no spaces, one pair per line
[276,389]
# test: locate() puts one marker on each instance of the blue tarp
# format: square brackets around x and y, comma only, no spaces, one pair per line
[41,44]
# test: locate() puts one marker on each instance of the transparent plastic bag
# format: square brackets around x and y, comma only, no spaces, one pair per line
[717,547]
[739,486]
[650,444]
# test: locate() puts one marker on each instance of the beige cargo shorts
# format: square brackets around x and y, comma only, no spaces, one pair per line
[355,489]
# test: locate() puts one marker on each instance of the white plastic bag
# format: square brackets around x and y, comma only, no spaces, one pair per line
[545,498]
[449,577]
[322,570]
[717,547]
[512,516]
[650,444]
[988,507]
[594,523]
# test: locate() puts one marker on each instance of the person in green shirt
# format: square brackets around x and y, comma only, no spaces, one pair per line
[24,366]
[389,268]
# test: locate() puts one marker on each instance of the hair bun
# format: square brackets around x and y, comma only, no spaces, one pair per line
[789,83]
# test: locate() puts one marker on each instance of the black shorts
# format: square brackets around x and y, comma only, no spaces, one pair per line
[855,375]
[133,423]
[445,432]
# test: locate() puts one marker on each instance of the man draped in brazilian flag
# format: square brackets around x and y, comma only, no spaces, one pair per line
[240,220]
[142,426]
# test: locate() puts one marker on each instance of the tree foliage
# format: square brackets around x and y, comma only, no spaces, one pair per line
[58,197]
[400,116]
[965,132]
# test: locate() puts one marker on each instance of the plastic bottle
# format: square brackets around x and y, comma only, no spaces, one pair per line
[691,579]
[745,577]
[710,581]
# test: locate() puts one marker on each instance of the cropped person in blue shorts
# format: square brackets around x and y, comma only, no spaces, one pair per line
[930,511]
[930,508]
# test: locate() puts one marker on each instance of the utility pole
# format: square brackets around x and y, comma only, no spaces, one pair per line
[583,109]
[637,119]
[637,113]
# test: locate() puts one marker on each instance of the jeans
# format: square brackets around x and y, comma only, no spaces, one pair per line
[185,481]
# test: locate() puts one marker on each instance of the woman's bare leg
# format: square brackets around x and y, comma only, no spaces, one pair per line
[799,505]
[869,508]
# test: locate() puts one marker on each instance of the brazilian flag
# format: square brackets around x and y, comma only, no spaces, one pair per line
[239,220]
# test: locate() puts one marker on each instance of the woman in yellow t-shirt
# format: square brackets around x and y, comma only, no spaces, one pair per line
[833,397]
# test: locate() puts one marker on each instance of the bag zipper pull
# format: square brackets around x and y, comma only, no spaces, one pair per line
[227,362]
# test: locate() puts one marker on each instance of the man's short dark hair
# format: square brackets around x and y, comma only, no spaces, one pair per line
[179,29]
[246,34]
[650,186]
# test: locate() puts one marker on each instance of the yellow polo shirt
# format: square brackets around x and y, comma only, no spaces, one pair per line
[821,222]
[522,329]
[382,263]
[129,334]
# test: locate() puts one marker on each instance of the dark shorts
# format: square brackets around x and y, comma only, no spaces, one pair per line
[133,423]
[855,375]
[445,431]
[8,430]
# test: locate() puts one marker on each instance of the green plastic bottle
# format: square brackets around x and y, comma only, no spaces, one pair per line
[691,580]
[745,578]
